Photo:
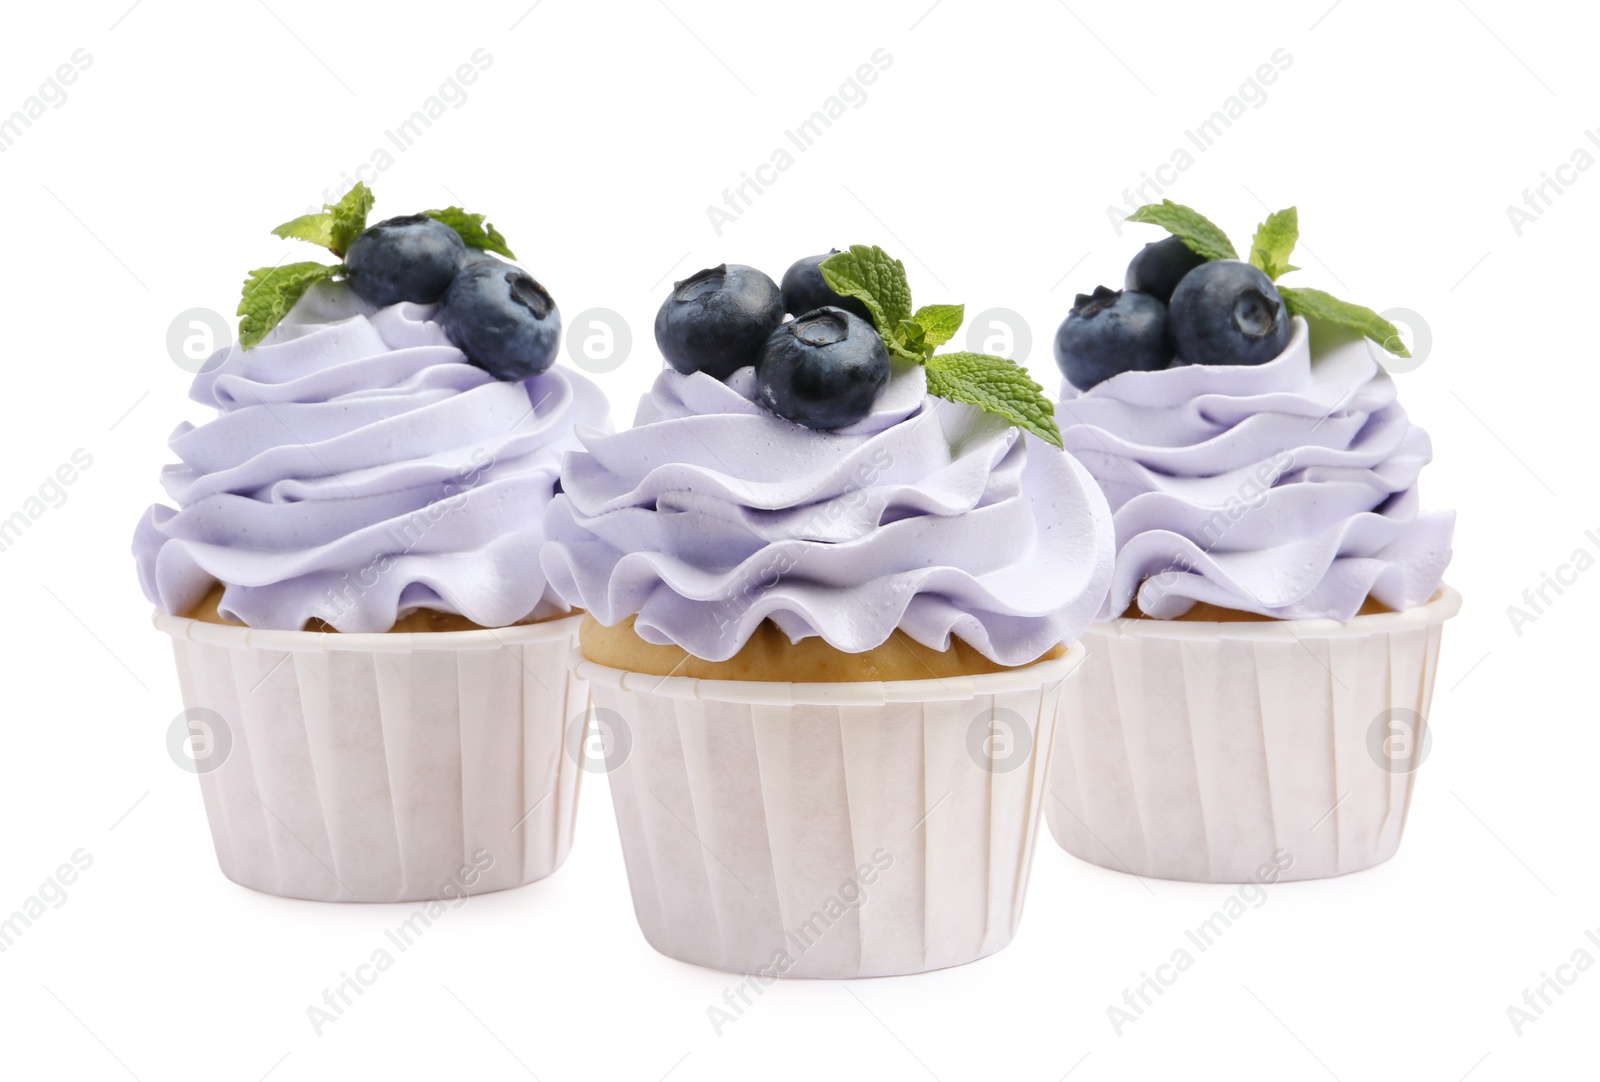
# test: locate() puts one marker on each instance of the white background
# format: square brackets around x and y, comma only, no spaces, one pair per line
[986,156]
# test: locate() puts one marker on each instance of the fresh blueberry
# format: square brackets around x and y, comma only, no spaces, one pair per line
[1160,266]
[805,290]
[1111,331]
[404,259]
[823,370]
[504,321]
[716,320]
[1227,312]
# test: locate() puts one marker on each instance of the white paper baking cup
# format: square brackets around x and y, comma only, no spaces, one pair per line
[384,767]
[1197,751]
[829,830]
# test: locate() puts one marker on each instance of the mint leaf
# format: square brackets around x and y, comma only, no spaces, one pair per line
[879,280]
[1315,304]
[995,385]
[350,217]
[269,293]
[474,229]
[1194,228]
[335,225]
[316,228]
[1274,243]
[939,322]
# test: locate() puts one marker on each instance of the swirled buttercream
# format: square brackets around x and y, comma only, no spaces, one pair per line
[712,515]
[358,469]
[1287,489]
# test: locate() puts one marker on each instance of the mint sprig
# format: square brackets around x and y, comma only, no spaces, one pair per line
[1189,226]
[1273,244]
[474,230]
[994,385]
[269,293]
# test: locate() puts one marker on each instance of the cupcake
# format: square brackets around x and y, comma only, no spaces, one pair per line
[1258,682]
[831,586]
[350,573]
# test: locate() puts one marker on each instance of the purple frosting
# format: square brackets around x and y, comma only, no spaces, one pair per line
[1287,489]
[712,514]
[358,469]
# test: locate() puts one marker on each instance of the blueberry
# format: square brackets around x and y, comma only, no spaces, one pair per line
[404,259]
[1227,312]
[823,370]
[716,320]
[1111,331]
[805,290]
[1160,266]
[504,321]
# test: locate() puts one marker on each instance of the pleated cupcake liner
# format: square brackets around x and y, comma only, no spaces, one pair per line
[829,830]
[1206,752]
[384,767]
